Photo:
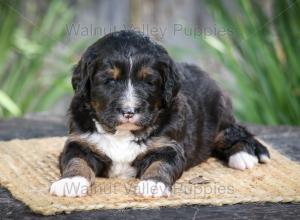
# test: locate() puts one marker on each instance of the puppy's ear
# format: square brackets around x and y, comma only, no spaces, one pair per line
[77,76]
[170,77]
[81,77]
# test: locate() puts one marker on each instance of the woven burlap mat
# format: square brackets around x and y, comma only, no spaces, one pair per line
[27,168]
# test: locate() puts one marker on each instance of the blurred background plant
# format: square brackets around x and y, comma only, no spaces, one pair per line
[255,57]
[262,54]
[33,75]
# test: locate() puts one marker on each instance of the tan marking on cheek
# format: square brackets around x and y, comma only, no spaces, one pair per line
[158,104]
[144,72]
[115,73]
[95,105]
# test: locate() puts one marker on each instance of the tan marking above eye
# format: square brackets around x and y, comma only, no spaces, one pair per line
[144,72]
[115,72]
[95,105]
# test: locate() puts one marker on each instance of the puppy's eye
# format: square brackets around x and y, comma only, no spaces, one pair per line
[150,83]
[109,81]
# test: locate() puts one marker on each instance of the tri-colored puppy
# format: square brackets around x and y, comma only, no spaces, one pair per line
[137,113]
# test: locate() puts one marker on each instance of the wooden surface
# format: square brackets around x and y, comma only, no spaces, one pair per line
[284,138]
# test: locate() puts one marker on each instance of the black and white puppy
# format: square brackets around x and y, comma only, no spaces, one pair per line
[138,114]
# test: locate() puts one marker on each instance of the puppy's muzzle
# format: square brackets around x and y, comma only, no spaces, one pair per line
[129,112]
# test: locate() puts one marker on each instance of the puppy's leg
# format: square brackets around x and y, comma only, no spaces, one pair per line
[159,168]
[78,165]
[240,148]
[76,179]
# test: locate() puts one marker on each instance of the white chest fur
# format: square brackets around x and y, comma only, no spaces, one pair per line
[120,148]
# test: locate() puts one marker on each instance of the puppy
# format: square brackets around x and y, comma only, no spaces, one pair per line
[138,114]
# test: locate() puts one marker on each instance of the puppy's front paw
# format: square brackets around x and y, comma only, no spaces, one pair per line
[76,186]
[243,160]
[152,188]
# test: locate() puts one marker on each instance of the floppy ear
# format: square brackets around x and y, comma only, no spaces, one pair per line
[170,77]
[77,76]
[81,77]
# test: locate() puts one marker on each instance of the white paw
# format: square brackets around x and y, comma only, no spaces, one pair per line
[242,160]
[151,188]
[76,186]
[264,158]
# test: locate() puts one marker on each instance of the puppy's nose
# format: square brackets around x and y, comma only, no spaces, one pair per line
[128,112]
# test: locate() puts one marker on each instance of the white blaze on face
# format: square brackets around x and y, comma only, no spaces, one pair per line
[129,100]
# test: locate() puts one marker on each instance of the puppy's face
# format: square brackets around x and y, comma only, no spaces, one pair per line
[128,80]
[126,92]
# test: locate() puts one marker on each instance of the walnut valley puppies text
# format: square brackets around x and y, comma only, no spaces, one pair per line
[77,30]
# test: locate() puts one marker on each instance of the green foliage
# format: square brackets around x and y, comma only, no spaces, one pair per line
[262,53]
[34,64]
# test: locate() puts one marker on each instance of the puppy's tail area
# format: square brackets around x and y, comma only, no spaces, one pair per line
[236,145]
